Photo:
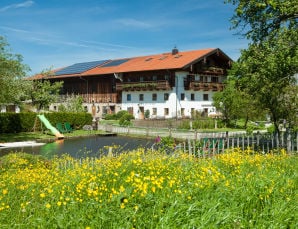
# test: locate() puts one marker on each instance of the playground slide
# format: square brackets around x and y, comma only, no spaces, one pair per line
[49,126]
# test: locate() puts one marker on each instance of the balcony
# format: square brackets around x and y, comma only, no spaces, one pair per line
[200,86]
[93,97]
[143,86]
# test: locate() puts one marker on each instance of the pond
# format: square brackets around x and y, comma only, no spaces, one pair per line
[84,146]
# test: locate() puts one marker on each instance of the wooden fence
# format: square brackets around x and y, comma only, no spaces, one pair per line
[196,142]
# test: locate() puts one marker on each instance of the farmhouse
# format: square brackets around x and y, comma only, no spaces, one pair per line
[166,85]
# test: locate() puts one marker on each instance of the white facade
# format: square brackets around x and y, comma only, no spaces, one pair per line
[177,102]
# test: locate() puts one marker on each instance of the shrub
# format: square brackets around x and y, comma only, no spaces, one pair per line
[25,121]
[117,116]
[125,120]
[147,114]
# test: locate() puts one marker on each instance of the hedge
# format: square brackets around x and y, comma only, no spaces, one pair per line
[26,121]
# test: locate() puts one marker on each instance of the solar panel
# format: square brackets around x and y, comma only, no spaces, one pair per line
[115,63]
[79,67]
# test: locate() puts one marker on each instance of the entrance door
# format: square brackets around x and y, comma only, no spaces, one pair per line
[141,112]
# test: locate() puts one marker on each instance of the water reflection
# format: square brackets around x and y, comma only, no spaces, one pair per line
[50,149]
[84,146]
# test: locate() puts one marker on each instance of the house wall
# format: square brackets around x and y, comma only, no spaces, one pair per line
[174,104]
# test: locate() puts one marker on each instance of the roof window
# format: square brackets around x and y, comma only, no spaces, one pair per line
[163,57]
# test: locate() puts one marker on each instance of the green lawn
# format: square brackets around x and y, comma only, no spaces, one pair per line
[138,189]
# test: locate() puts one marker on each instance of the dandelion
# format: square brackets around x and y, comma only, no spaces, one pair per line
[4,191]
[48,206]
[153,189]
[42,195]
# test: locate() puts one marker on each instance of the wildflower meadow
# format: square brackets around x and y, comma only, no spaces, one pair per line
[145,189]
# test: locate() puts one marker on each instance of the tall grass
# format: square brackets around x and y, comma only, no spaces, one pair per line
[138,189]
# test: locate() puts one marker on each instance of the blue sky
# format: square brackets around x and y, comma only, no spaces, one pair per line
[58,33]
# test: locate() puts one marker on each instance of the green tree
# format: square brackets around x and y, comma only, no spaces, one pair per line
[236,104]
[44,93]
[266,70]
[73,104]
[12,73]
[260,19]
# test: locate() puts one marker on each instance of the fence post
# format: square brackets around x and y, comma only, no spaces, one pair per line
[237,141]
[296,141]
[227,139]
[288,140]
[277,141]
[189,147]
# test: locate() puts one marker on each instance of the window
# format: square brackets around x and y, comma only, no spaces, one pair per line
[141,97]
[166,96]
[205,97]
[214,79]
[154,111]
[166,111]
[192,97]
[182,96]
[154,78]
[130,110]
[154,97]
[128,97]
[141,78]
[182,111]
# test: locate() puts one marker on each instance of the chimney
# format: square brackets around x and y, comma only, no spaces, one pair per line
[175,51]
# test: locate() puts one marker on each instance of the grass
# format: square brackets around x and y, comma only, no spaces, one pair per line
[138,189]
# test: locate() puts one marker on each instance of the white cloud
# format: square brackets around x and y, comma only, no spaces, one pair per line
[130,22]
[16,6]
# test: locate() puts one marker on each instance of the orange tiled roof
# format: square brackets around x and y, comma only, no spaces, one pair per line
[143,63]
[152,62]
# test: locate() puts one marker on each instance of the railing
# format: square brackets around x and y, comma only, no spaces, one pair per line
[198,86]
[143,86]
[211,143]
[97,98]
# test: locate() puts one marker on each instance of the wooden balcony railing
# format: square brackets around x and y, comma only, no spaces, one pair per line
[200,86]
[143,86]
[97,98]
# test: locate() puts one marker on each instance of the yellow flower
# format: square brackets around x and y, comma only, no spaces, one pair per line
[42,195]
[4,191]
[59,203]
[48,205]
